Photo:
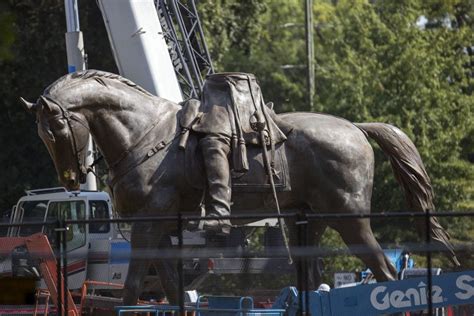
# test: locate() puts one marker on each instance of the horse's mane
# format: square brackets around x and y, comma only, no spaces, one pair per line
[97,75]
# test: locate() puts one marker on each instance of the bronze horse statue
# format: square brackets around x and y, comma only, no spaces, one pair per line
[331,166]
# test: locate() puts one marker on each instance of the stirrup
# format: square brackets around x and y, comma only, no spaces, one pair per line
[218,226]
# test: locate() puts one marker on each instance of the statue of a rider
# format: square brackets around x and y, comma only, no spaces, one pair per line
[232,107]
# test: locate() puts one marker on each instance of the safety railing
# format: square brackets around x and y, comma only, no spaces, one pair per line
[302,252]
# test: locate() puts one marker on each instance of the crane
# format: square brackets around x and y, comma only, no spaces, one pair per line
[159,45]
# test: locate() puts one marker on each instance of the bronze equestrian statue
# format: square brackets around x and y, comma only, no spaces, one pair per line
[330,166]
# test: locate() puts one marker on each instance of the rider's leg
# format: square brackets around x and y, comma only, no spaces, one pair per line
[216,149]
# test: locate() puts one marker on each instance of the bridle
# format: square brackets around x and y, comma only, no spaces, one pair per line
[70,118]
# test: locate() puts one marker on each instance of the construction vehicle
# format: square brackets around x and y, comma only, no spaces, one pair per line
[91,248]
[96,255]
[386,298]
[94,251]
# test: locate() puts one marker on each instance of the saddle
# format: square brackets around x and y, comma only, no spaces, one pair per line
[256,179]
[232,106]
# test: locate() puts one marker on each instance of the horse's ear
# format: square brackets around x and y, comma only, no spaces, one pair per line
[46,104]
[30,107]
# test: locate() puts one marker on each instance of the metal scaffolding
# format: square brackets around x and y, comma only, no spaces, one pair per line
[184,35]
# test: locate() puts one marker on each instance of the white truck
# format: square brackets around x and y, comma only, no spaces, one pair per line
[96,251]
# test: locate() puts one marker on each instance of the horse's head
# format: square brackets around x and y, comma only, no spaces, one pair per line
[66,135]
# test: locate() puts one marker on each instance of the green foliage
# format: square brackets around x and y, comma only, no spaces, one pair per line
[6,34]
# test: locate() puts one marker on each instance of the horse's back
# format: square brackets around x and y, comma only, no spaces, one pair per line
[327,131]
[331,161]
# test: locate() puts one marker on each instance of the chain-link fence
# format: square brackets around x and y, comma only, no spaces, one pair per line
[155,260]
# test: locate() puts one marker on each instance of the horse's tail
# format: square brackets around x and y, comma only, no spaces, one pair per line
[411,175]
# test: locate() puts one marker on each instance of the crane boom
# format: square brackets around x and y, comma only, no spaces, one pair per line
[139,46]
[159,44]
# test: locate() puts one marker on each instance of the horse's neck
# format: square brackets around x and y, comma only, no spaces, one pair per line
[119,118]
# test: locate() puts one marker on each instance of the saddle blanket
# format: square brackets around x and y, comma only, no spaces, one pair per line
[255,180]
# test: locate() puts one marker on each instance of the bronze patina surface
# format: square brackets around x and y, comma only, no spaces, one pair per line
[331,166]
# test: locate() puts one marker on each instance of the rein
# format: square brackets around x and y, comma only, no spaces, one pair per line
[126,152]
[150,153]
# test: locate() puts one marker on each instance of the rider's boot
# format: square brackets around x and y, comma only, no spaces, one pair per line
[215,149]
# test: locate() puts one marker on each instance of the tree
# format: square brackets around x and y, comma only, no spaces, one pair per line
[6,34]
[374,63]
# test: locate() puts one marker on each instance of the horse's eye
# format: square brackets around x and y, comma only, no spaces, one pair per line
[57,124]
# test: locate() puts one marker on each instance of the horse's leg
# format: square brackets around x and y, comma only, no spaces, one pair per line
[358,234]
[167,271]
[138,266]
[147,240]
[313,235]
[316,230]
